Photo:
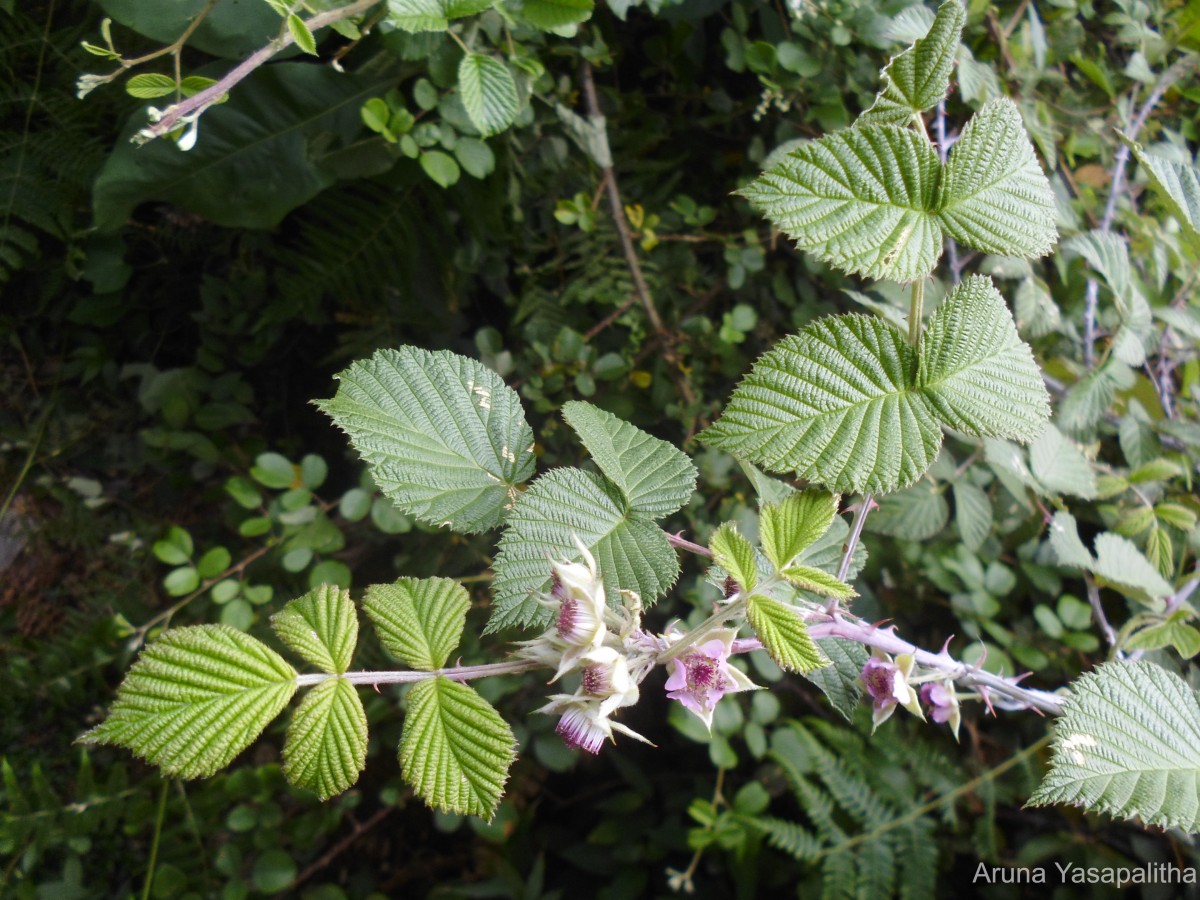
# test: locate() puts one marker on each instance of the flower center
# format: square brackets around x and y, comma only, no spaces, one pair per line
[568,618]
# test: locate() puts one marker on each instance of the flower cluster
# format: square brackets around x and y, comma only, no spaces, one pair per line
[605,646]
[890,683]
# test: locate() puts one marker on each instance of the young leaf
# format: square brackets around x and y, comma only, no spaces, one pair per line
[978,375]
[1178,183]
[788,527]
[196,698]
[735,555]
[1174,632]
[919,77]
[488,93]
[860,200]
[446,439]
[1066,544]
[420,620]
[301,35]
[841,681]
[993,195]
[456,750]
[149,85]
[630,550]
[655,477]
[321,626]
[1128,744]
[818,581]
[837,404]
[326,746]
[785,635]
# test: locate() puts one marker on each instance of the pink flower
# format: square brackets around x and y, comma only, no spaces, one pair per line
[942,701]
[887,684]
[701,676]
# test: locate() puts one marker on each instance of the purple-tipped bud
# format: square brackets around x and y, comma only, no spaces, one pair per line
[578,729]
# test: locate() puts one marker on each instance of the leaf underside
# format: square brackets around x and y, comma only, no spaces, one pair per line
[444,437]
[456,750]
[196,698]
[1128,744]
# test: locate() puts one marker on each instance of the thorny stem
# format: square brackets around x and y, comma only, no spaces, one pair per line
[176,48]
[641,288]
[677,540]
[455,673]
[856,530]
[202,100]
[1169,76]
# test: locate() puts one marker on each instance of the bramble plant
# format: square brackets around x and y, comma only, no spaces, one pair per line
[852,405]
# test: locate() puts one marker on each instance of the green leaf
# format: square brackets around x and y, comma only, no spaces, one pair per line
[416,16]
[916,513]
[655,477]
[1060,466]
[196,698]
[978,375]
[789,527]
[176,548]
[840,682]
[550,15]
[149,85]
[836,404]
[631,551]
[1174,632]
[258,156]
[456,749]
[994,195]
[860,200]
[446,439]
[227,30]
[1121,564]
[475,157]
[1128,744]
[326,746]
[818,581]
[301,35]
[784,635]
[488,93]
[919,77]
[735,555]
[440,167]
[1066,544]
[972,514]
[1178,183]
[420,620]
[321,626]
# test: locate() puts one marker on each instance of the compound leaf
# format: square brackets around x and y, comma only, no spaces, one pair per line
[456,750]
[1128,744]
[994,195]
[564,504]
[196,698]
[860,200]
[978,375]
[420,620]
[321,626]
[917,78]
[735,555]
[655,477]
[790,526]
[488,91]
[837,404]
[784,635]
[445,438]
[326,746]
